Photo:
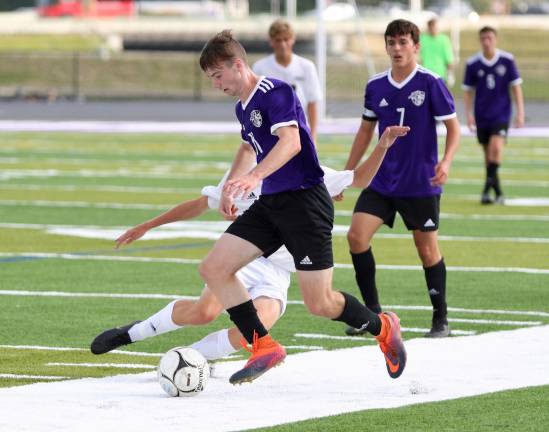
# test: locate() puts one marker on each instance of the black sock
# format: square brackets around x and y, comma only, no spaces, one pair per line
[245,318]
[489,178]
[435,277]
[365,274]
[359,316]
[495,178]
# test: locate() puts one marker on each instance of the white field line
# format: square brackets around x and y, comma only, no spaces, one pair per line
[49,348]
[7,174]
[109,365]
[487,217]
[206,229]
[495,322]
[124,189]
[517,183]
[33,377]
[291,302]
[326,336]
[84,204]
[78,257]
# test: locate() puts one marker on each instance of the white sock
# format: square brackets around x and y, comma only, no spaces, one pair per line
[157,324]
[215,345]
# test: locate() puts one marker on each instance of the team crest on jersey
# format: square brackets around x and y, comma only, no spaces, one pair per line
[501,69]
[255,118]
[417,97]
[480,73]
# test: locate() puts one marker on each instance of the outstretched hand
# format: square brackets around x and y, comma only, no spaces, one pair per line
[130,236]
[390,134]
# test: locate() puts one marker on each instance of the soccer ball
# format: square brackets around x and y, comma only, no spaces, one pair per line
[183,372]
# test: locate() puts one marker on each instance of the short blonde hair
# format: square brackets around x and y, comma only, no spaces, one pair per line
[281,27]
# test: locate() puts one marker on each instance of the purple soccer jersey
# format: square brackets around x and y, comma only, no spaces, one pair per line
[491,79]
[419,102]
[271,105]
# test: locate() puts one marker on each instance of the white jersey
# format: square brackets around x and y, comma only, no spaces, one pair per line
[336,182]
[300,74]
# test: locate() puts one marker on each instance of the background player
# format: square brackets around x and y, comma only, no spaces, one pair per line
[294,210]
[489,74]
[410,178]
[297,71]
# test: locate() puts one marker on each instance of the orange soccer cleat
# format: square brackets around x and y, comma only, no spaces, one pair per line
[266,354]
[391,344]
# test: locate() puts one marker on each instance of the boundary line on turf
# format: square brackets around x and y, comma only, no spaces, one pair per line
[33,377]
[67,256]
[49,348]
[292,302]
[109,365]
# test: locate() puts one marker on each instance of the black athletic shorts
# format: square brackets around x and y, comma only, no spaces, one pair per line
[417,213]
[484,133]
[301,220]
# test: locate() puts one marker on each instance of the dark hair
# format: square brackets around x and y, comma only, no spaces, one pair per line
[402,27]
[223,47]
[487,29]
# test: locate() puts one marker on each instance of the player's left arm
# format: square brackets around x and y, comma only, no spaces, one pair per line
[442,169]
[288,145]
[516,91]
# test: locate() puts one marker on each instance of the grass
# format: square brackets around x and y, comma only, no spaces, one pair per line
[55,179]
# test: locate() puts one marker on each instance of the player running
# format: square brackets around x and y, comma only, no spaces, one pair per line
[266,279]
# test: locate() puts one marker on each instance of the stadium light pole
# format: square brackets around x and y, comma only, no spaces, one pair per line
[320,56]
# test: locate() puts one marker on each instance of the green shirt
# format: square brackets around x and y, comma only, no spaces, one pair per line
[436,53]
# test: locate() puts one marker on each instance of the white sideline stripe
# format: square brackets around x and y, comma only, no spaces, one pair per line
[439,369]
[305,347]
[292,302]
[49,348]
[326,336]
[497,322]
[7,174]
[84,204]
[525,183]
[109,365]
[32,377]
[197,261]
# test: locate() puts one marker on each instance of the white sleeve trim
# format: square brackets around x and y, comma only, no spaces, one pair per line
[369,113]
[279,125]
[466,87]
[518,81]
[445,117]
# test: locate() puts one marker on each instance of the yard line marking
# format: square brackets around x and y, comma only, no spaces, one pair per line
[326,336]
[487,217]
[110,365]
[83,257]
[525,183]
[497,322]
[125,189]
[212,230]
[7,174]
[49,348]
[476,311]
[33,377]
[84,204]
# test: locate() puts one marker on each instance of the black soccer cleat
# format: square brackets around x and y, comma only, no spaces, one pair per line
[439,329]
[112,339]
[486,199]
[351,331]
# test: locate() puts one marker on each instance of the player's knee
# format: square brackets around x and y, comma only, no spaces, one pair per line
[428,254]
[357,241]
[206,315]
[318,307]
[209,270]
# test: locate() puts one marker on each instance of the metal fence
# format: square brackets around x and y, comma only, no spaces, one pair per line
[165,75]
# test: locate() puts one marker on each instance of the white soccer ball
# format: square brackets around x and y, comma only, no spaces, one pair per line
[183,372]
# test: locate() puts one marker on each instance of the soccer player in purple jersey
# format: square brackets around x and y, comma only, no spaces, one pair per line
[410,178]
[294,210]
[489,74]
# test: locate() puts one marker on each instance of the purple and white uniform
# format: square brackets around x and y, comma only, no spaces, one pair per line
[491,80]
[271,105]
[419,102]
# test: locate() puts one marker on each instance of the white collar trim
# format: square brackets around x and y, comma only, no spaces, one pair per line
[244,104]
[401,84]
[491,62]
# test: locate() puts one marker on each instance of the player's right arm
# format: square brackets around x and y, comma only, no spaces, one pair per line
[361,142]
[468,103]
[185,210]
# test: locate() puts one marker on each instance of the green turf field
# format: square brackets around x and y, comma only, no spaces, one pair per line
[498,259]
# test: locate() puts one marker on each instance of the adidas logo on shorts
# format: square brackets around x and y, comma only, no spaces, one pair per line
[429,223]
[305,261]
